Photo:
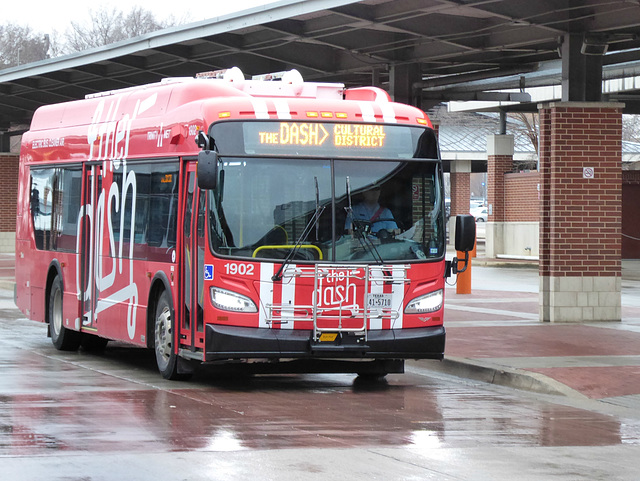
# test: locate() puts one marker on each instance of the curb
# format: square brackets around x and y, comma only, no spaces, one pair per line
[490,262]
[502,376]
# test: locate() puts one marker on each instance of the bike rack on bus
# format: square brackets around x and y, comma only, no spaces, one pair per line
[370,275]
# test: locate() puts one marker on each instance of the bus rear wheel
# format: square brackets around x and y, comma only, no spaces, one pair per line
[63,339]
[166,358]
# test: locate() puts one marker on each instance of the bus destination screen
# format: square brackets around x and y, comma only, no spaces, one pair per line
[322,139]
[315,135]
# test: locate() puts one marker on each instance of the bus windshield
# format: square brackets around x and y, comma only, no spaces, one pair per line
[333,210]
[327,209]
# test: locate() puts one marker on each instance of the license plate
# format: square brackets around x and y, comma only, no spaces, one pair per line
[379,301]
[328,336]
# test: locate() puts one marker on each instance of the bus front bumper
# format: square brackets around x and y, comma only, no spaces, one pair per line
[229,342]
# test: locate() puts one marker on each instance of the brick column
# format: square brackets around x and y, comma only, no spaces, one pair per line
[8,199]
[499,162]
[580,230]
[544,166]
[460,177]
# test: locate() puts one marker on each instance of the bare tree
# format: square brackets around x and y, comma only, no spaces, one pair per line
[140,21]
[631,128]
[109,25]
[530,127]
[20,45]
[103,30]
[525,126]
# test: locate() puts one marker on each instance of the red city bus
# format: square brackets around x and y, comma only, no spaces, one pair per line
[294,225]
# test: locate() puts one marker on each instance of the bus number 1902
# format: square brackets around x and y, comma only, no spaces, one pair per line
[239,269]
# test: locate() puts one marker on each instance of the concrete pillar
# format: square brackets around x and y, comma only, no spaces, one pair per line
[401,80]
[581,74]
[499,162]
[580,226]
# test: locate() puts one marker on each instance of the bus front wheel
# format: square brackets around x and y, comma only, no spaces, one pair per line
[63,339]
[166,358]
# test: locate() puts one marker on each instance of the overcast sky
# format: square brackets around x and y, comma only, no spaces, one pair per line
[46,16]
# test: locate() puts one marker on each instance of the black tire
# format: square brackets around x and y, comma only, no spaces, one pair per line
[163,337]
[63,339]
[93,343]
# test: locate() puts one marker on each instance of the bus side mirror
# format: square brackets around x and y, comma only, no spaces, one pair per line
[465,233]
[207,169]
[465,241]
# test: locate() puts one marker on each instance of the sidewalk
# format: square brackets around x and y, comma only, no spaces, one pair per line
[494,335]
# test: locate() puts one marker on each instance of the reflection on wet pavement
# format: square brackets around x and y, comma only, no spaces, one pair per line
[288,411]
[53,402]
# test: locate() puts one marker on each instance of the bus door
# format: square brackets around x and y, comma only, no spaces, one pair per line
[191,324]
[88,243]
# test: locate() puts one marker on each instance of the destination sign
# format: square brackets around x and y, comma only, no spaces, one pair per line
[316,134]
[323,139]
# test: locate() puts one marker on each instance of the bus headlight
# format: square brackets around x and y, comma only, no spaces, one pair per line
[428,303]
[230,301]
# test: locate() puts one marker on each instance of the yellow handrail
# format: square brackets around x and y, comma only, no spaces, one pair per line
[303,246]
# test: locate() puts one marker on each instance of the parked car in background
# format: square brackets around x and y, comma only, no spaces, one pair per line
[479,213]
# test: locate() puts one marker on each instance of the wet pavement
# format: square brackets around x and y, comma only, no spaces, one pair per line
[87,416]
[111,416]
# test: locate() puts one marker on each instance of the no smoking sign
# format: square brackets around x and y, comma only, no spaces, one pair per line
[588,173]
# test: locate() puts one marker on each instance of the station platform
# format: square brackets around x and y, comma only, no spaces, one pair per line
[494,335]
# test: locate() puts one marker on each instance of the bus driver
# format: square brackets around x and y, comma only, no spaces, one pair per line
[371,213]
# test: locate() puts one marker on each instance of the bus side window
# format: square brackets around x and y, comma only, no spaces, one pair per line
[43,186]
[156,199]
[189,207]
[71,189]
[163,200]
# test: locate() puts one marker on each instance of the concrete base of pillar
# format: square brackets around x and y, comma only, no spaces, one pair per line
[7,242]
[580,299]
[512,239]
[494,239]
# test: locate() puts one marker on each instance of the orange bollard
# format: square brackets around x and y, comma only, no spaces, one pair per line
[463,284]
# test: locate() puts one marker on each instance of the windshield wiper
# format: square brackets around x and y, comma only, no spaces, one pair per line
[359,230]
[303,236]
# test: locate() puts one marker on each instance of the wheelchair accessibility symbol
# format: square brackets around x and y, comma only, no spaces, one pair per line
[208,272]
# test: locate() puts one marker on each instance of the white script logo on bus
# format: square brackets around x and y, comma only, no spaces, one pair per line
[337,290]
[108,140]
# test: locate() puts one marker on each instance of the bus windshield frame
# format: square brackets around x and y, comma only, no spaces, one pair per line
[319,208]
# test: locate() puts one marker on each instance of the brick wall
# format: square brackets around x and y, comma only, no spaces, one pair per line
[521,197]
[581,217]
[8,191]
